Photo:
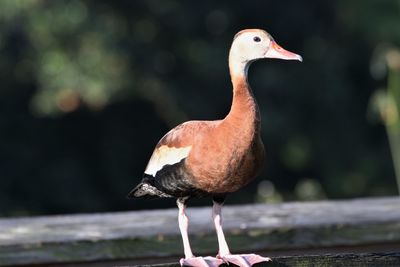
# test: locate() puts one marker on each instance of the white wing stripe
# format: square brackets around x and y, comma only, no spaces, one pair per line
[165,155]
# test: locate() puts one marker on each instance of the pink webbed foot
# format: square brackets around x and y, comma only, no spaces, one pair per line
[244,260]
[201,262]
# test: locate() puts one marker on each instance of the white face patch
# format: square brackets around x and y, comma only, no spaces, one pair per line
[250,45]
[165,155]
[245,49]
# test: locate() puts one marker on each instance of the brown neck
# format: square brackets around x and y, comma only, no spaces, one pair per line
[244,110]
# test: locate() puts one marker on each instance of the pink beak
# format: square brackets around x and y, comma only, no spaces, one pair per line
[276,51]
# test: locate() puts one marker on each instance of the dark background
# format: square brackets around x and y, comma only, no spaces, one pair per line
[87,88]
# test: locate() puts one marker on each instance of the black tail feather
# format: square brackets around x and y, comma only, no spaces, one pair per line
[146,190]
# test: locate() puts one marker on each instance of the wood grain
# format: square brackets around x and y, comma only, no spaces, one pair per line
[144,236]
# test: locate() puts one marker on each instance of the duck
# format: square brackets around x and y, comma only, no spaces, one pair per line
[214,158]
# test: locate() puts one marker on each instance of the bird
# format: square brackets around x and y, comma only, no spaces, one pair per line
[214,158]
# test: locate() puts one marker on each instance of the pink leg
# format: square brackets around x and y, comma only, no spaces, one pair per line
[242,260]
[217,218]
[183,227]
[190,259]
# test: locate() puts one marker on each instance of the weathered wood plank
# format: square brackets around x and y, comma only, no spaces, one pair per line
[153,234]
[339,260]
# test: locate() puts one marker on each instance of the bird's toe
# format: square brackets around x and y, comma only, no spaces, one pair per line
[244,260]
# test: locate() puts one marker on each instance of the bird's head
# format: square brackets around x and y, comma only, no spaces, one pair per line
[252,44]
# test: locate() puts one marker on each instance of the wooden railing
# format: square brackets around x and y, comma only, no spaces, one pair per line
[360,230]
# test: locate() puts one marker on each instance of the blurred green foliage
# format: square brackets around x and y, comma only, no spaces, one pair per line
[386,103]
[88,88]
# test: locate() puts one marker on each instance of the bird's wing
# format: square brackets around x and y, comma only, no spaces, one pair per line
[175,145]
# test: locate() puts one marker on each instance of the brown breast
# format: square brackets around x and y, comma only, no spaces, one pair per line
[226,160]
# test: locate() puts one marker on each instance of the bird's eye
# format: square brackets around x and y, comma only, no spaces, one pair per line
[256,39]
